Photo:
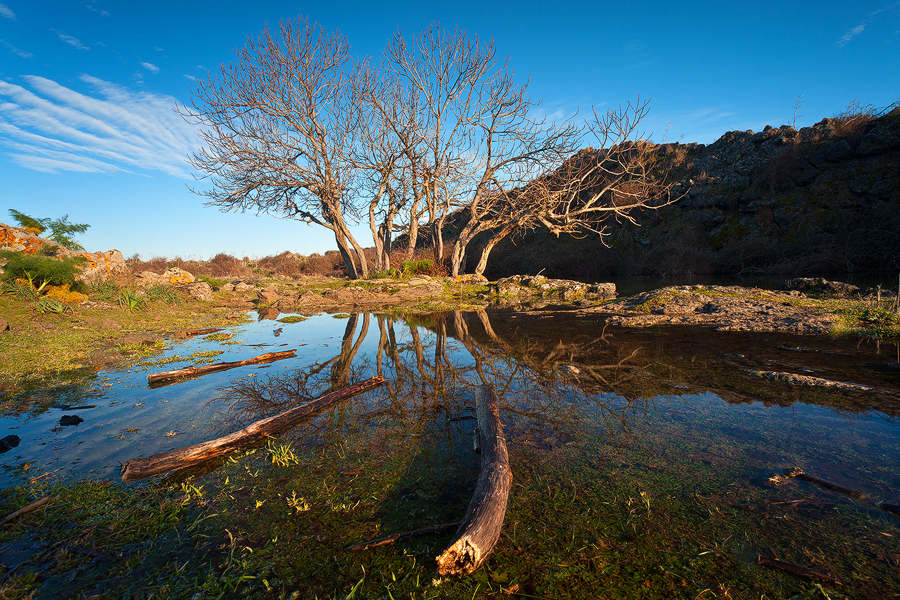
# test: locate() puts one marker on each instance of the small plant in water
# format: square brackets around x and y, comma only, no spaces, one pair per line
[299,504]
[282,455]
[219,337]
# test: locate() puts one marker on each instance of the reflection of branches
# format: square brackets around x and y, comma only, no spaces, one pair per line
[558,388]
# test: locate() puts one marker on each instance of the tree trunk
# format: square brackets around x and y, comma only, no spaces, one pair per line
[141,468]
[344,249]
[493,241]
[480,529]
[377,238]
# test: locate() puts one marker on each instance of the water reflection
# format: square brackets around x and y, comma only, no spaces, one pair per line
[557,378]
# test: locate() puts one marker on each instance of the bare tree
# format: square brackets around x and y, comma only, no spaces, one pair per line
[477,138]
[278,126]
[623,176]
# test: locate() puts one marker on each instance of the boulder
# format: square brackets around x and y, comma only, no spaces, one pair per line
[200,290]
[267,296]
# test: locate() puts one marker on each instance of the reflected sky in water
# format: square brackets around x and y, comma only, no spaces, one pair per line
[561,380]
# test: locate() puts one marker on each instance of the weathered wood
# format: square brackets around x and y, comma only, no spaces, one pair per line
[775,561]
[194,332]
[163,462]
[801,474]
[204,369]
[396,537]
[891,508]
[25,510]
[480,529]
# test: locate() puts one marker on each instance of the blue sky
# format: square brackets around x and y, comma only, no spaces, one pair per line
[87,89]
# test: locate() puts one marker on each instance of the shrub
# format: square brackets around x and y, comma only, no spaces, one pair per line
[41,271]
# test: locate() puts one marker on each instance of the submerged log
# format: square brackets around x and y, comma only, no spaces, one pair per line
[773,560]
[172,460]
[801,474]
[480,529]
[157,378]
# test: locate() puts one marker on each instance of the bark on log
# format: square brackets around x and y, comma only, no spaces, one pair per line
[172,460]
[157,378]
[480,529]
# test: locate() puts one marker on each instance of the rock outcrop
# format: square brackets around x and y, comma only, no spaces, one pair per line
[526,287]
[96,267]
[824,198]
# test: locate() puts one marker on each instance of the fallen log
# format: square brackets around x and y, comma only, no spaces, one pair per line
[481,526]
[204,369]
[396,537]
[172,460]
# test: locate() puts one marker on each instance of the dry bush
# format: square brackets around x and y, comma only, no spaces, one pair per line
[853,122]
[328,265]
[399,255]
[224,265]
[286,264]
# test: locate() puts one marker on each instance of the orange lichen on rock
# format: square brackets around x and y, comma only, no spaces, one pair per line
[20,240]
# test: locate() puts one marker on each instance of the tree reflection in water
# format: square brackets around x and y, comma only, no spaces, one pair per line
[431,363]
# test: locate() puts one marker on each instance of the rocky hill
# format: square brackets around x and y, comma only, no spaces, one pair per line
[822,199]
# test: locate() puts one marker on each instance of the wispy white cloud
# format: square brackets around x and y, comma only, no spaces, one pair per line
[845,39]
[7,12]
[71,40]
[855,31]
[16,51]
[150,67]
[51,128]
[105,13]
[191,77]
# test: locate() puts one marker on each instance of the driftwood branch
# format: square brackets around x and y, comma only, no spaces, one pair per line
[773,560]
[396,537]
[194,332]
[141,468]
[157,378]
[25,510]
[891,508]
[801,474]
[480,529]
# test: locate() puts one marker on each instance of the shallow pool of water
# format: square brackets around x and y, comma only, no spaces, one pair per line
[661,422]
